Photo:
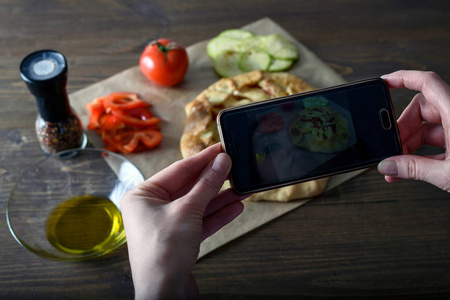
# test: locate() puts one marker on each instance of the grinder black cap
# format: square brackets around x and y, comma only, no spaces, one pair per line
[45,74]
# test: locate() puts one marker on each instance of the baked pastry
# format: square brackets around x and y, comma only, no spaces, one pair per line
[201,129]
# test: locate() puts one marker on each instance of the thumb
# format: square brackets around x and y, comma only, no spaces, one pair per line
[211,179]
[416,167]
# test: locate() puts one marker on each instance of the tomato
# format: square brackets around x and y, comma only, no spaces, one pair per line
[164,62]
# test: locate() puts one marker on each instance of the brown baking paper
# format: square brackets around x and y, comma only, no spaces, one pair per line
[168,104]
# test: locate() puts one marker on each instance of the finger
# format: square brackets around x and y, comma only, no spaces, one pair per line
[433,88]
[418,111]
[430,84]
[181,173]
[220,218]
[391,179]
[426,134]
[222,200]
[441,156]
[418,168]
[210,181]
[193,291]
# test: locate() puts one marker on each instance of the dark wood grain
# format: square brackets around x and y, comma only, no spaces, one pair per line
[364,239]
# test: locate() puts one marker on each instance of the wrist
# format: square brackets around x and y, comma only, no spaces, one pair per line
[161,287]
[159,277]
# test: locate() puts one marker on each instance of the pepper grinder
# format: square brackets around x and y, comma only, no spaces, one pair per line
[57,126]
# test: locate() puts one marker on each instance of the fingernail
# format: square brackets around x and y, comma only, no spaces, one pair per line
[388,167]
[221,164]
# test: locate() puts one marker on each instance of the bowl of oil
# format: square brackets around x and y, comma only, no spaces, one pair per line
[67,206]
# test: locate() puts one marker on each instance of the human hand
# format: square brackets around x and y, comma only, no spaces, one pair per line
[169,215]
[426,121]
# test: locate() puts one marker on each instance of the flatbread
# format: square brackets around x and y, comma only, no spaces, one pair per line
[320,129]
[201,129]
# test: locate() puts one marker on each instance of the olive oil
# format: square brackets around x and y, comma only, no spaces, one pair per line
[85,224]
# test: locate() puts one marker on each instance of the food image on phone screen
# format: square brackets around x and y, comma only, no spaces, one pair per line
[295,141]
[309,136]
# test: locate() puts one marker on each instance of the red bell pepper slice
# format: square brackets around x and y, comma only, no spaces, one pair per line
[123,100]
[111,123]
[124,122]
[138,117]
[97,109]
[132,141]
[109,142]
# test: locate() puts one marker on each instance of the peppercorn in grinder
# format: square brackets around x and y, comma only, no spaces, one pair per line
[57,126]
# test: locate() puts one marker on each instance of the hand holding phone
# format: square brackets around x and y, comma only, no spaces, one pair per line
[426,121]
[307,136]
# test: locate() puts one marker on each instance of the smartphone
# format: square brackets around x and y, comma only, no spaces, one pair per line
[310,135]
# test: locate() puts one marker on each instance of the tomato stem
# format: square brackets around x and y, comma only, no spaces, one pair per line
[165,49]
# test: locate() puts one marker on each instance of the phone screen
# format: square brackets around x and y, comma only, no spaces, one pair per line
[310,135]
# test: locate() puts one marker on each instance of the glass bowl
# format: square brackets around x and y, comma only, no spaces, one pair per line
[66,207]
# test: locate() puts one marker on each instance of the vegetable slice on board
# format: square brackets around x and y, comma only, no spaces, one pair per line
[123,100]
[220,44]
[253,60]
[280,47]
[97,109]
[277,65]
[226,63]
[255,42]
[128,142]
[124,122]
[138,117]
[238,34]
[255,49]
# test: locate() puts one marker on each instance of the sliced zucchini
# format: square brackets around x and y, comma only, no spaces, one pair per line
[238,34]
[255,42]
[278,65]
[221,44]
[280,47]
[235,51]
[226,63]
[254,60]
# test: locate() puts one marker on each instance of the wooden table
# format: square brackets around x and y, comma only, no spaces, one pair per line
[365,239]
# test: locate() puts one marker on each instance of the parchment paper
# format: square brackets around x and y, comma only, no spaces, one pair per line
[168,104]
